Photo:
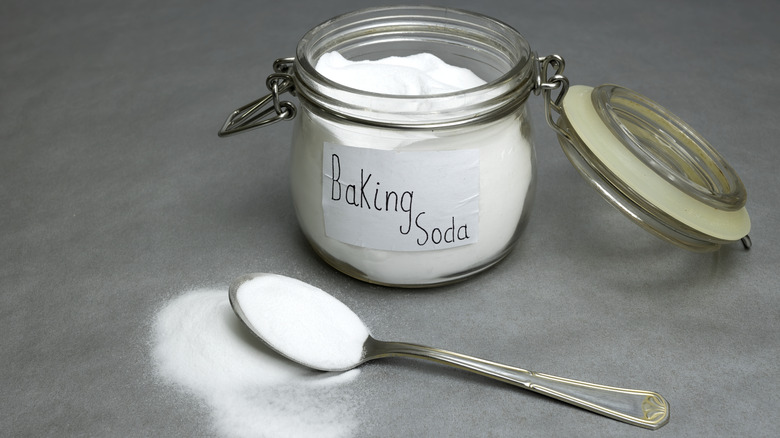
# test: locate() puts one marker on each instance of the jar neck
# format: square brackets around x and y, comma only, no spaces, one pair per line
[491,49]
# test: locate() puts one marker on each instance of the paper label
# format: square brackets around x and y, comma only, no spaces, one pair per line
[400,200]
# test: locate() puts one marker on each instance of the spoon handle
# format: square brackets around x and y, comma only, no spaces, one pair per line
[641,408]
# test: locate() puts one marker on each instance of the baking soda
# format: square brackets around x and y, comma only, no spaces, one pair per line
[200,345]
[303,322]
[416,75]
[506,160]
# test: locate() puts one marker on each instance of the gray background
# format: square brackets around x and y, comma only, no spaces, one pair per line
[117,195]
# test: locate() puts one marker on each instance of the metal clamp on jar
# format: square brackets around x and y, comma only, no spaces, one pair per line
[423,190]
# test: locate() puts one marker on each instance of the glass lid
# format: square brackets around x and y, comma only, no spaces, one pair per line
[653,167]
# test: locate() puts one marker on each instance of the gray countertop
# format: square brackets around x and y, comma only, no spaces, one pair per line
[117,197]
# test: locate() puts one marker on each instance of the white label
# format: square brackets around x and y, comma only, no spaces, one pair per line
[400,200]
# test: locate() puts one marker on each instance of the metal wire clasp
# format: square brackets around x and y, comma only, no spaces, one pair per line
[546,82]
[255,114]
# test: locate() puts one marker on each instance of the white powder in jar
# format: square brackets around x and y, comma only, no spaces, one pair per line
[416,75]
[200,345]
[303,322]
[505,178]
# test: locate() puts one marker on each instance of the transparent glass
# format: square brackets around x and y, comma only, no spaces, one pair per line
[492,119]
[670,147]
[678,155]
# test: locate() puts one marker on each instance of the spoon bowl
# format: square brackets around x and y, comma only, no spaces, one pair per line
[313,328]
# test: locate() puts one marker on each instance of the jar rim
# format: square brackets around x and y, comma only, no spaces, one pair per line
[472,34]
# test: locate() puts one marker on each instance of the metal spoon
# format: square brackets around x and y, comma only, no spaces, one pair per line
[637,407]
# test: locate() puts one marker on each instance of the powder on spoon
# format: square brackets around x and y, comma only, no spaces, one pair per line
[303,322]
[200,345]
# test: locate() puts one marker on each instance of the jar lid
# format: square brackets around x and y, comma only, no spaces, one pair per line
[653,167]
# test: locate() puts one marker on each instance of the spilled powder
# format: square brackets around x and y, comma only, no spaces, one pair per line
[200,345]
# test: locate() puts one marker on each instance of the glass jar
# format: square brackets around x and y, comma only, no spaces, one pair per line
[423,190]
